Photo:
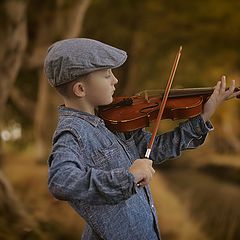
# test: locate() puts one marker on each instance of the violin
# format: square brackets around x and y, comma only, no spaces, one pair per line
[127,114]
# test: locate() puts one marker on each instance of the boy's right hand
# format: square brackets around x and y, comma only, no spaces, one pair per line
[142,171]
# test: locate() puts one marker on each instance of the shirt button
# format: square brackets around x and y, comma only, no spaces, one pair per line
[152,206]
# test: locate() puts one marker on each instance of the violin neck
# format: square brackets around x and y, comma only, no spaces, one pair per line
[185,92]
[191,92]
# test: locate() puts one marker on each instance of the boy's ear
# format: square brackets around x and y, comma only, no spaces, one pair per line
[79,89]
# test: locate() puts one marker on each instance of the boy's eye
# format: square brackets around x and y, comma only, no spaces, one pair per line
[108,73]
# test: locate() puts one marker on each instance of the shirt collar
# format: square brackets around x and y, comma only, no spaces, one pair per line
[92,119]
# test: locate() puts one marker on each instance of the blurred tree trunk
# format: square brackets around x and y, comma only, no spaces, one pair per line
[26,106]
[66,22]
[41,118]
[136,45]
[133,65]
[13,37]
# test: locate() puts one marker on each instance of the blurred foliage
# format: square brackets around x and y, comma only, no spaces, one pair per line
[151,33]
[207,30]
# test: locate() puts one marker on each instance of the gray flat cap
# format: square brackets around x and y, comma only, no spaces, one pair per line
[69,59]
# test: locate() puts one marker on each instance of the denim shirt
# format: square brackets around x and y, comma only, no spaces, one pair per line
[88,167]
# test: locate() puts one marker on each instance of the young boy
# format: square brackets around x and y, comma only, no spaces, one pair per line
[95,170]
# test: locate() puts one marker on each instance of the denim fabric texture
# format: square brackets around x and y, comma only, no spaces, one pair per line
[88,167]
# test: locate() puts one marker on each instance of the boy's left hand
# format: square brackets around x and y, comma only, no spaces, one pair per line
[219,95]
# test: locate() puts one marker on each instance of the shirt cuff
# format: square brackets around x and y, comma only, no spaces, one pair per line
[201,127]
[126,181]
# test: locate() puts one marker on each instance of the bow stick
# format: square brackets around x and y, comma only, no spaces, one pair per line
[163,102]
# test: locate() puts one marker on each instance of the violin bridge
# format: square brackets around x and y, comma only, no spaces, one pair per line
[146,96]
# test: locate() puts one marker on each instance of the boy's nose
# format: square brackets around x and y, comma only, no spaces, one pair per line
[114,80]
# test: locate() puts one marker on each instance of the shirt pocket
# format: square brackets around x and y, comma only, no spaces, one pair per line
[131,148]
[106,158]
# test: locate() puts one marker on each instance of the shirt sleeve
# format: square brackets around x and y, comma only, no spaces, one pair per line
[188,135]
[70,179]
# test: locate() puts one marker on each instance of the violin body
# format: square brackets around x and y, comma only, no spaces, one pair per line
[141,112]
[127,114]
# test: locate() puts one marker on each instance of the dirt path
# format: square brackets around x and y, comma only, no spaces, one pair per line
[214,203]
[174,219]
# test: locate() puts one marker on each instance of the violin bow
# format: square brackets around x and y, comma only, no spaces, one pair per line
[163,102]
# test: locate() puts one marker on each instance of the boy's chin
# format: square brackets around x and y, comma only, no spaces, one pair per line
[107,102]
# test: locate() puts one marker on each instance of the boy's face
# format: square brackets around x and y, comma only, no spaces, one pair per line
[100,87]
